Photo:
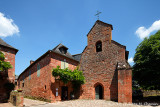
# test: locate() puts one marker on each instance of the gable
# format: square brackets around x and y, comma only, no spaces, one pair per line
[98,22]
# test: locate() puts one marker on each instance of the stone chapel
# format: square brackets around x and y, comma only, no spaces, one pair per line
[107,72]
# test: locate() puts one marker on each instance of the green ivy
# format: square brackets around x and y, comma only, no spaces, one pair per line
[4,65]
[67,75]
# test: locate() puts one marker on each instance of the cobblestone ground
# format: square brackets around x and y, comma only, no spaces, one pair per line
[6,105]
[29,102]
[96,103]
[74,103]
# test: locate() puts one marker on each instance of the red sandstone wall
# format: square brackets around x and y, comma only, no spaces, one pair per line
[10,57]
[36,86]
[125,86]
[8,76]
[100,67]
[56,61]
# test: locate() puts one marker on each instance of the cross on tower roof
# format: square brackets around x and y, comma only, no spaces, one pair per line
[97,14]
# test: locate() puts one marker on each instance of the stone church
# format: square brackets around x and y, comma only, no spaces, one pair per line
[104,63]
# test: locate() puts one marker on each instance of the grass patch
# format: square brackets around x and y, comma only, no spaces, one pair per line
[38,98]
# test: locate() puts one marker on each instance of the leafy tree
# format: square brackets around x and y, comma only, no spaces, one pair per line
[4,65]
[146,69]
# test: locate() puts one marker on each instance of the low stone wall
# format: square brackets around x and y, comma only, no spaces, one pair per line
[16,98]
[147,93]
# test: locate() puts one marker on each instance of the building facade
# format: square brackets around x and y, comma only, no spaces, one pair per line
[37,79]
[104,63]
[9,75]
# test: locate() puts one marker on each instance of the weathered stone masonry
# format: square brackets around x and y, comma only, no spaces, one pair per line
[45,85]
[104,62]
[9,75]
[100,68]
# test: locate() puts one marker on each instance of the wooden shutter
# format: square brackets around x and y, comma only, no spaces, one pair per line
[38,70]
[29,75]
[66,65]
[62,64]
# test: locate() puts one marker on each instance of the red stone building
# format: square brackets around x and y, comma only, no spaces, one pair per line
[37,79]
[7,76]
[104,62]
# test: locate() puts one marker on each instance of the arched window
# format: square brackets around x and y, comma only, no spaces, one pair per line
[99,46]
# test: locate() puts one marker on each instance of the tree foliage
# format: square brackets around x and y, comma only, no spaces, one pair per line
[4,65]
[146,69]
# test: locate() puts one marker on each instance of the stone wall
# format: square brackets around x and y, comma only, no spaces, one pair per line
[16,98]
[10,57]
[36,86]
[44,86]
[56,85]
[100,67]
[124,86]
[9,75]
[147,93]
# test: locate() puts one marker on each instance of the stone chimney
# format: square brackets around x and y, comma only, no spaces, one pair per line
[31,61]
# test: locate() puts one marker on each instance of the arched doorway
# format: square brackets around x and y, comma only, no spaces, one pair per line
[98,92]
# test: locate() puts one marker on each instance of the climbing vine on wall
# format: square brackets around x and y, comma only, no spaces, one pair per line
[67,75]
[4,65]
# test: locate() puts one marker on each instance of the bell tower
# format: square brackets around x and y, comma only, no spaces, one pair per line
[101,31]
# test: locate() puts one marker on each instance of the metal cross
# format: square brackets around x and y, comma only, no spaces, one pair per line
[97,14]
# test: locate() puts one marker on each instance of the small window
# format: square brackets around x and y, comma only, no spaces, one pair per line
[23,84]
[64,64]
[45,87]
[23,78]
[38,70]
[99,46]
[63,50]
[29,75]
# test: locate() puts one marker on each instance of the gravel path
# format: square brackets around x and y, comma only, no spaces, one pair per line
[74,103]
[95,103]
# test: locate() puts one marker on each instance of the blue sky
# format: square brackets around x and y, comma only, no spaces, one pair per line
[39,25]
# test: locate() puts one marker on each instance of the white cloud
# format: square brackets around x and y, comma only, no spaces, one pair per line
[130,60]
[7,26]
[142,32]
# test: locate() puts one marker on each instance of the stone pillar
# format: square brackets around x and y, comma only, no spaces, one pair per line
[16,98]
[125,86]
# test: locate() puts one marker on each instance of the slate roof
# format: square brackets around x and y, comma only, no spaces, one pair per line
[123,65]
[3,43]
[77,57]
[56,50]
